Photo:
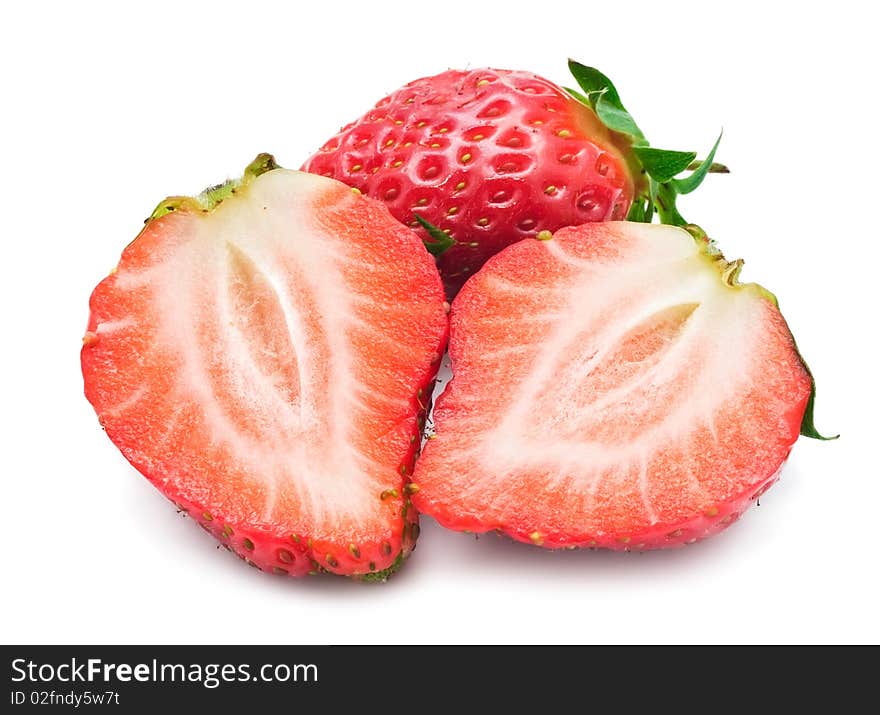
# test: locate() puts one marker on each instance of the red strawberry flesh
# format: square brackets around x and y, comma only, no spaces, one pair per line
[613,387]
[262,364]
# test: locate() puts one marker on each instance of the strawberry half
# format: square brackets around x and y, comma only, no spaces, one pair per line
[489,157]
[265,367]
[615,387]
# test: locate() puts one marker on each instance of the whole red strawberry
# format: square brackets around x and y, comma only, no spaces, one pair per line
[490,157]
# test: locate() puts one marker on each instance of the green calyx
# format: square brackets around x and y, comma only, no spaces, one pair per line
[381,576]
[214,195]
[660,168]
[808,426]
[440,240]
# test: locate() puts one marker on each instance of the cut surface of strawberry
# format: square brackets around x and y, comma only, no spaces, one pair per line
[261,354]
[614,387]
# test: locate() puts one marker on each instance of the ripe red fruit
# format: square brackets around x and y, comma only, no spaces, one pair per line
[489,156]
[615,387]
[266,369]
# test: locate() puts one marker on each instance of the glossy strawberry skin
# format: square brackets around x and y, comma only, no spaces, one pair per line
[491,156]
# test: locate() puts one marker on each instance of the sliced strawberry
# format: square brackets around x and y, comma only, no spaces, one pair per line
[261,354]
[613,387]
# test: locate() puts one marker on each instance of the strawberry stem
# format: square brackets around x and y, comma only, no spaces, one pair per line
[714,167]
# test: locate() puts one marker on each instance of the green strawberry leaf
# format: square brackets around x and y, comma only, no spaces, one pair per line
[808,427]
[578,96]
[662,164]
[651,208]
[666,208]
[601,94]
[592,81]
[637,212]
[617,118]
[441,242]
[689,183]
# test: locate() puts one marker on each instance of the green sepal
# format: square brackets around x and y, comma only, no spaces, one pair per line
[663,164]
[172,204]
[441,242]
[214,195]
[381,576]
[637,212]
[658,193]
[651,203]
[689,183]
[602,96]
[808,427]
[617,118]
[666,208]
[263,163]
[578,96]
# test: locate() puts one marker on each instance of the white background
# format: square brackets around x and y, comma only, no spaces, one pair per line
[109,108]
